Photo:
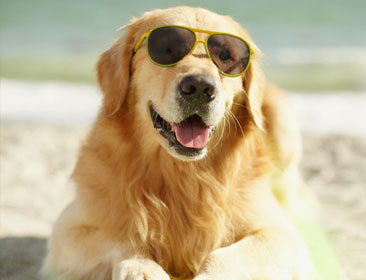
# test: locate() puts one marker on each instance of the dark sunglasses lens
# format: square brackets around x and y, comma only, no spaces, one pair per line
[230,54]
[168,45]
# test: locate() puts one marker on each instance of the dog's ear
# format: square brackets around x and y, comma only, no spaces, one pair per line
[113,70]
[254,86]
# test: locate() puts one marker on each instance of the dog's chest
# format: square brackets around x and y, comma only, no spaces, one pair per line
[194,228]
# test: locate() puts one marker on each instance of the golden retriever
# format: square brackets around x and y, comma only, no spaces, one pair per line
[153,202]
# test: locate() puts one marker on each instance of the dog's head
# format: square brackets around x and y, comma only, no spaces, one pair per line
[178,107]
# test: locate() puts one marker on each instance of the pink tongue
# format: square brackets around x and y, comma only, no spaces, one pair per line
[192,134]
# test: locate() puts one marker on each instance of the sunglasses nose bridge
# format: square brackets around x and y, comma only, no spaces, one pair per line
[194,48]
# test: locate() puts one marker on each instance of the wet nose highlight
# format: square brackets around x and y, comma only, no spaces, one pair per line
[195,87]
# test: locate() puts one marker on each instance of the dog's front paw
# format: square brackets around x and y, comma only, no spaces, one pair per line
[139,269]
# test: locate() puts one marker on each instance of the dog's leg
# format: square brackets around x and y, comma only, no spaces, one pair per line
[273,250]
[78,249]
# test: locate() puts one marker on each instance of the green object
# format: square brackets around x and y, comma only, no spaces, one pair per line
[321,252]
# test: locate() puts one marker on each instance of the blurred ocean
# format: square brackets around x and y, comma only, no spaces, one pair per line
[313,45]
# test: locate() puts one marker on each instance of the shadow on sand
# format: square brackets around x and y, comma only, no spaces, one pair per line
[21,257]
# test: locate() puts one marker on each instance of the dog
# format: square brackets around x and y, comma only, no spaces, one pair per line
[191,164]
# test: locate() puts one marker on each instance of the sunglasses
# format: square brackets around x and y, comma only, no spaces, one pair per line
[167,45]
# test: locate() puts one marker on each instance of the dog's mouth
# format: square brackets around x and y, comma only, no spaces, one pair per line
[189,137]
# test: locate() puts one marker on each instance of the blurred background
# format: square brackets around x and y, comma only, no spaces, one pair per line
[308,45]
[314,49]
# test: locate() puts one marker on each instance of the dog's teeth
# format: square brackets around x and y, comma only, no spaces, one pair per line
[213,129]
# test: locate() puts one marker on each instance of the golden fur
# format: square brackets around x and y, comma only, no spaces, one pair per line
[138,209]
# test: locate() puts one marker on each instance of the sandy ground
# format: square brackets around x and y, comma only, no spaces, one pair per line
[37,158]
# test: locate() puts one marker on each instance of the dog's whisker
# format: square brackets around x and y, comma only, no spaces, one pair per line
[229,122]
[221,135]
[233,120]
[240,105]
[237,122]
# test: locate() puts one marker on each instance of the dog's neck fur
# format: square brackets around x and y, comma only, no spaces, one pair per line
[164,199]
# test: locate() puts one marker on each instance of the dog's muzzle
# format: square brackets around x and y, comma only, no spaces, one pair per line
[195,97]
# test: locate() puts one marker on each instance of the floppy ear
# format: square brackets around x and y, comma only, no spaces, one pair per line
[113,70]
[254,85]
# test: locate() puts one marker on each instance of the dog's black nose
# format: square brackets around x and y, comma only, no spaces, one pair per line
[200,87]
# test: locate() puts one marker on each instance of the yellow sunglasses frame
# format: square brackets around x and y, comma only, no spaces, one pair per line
[194,31]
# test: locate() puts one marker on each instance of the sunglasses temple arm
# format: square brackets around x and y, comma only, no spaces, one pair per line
[140,42]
